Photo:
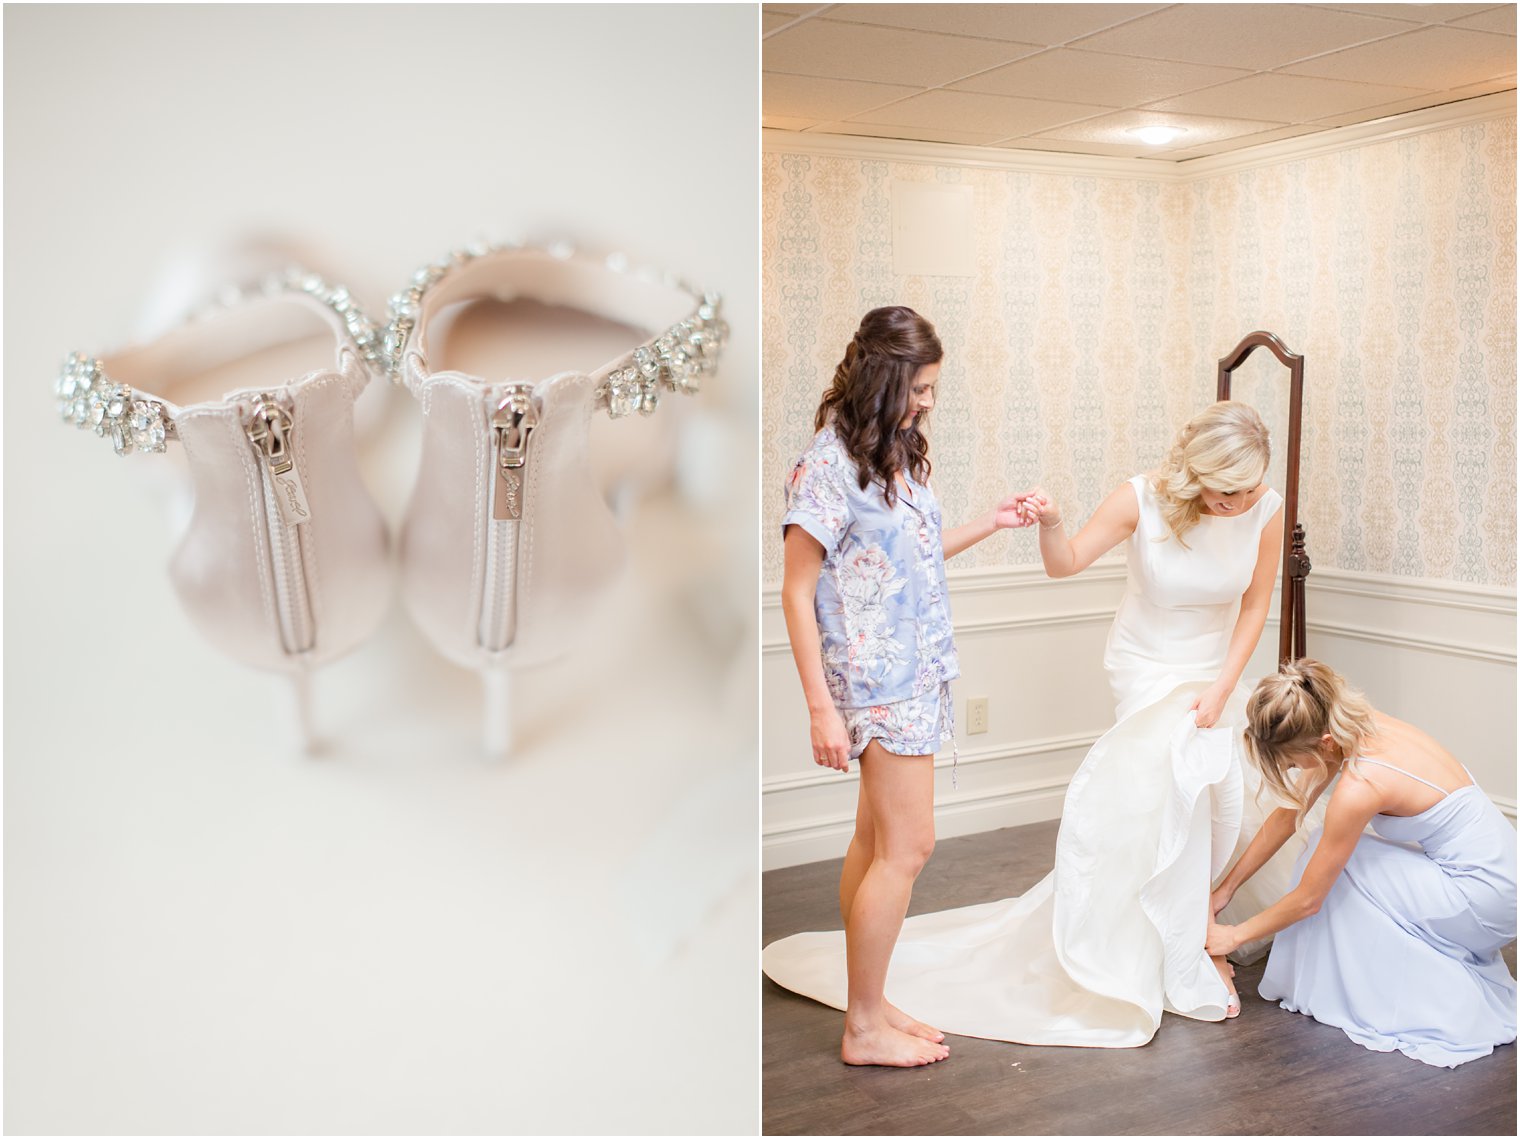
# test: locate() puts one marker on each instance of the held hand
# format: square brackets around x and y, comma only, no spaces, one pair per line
[1222,939]
[1038,507]
[1011,514]
[1219,899]
[1209,704]
[831,742]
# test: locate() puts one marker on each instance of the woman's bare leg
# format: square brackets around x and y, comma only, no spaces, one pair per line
[899,791]
[857,861]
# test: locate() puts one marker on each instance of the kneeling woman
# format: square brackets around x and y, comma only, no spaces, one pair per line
[1393,937]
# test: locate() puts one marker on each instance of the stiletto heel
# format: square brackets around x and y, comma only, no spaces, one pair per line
[497,731]
[301,712]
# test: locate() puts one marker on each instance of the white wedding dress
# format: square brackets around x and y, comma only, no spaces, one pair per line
[1113,936]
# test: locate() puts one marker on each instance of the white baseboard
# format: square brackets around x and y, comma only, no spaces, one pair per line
[818,840]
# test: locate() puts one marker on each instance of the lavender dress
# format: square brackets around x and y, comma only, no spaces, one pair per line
[1404,952]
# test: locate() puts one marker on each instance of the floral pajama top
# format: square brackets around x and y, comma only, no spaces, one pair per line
[882,603]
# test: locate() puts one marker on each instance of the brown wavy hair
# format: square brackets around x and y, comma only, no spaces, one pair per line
[869,396]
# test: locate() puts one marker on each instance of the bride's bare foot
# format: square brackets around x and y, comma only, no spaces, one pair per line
[889,1047]
[905,1023]
[1227,975]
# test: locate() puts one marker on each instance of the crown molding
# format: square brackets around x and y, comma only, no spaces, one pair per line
[1476,110]
[946,154]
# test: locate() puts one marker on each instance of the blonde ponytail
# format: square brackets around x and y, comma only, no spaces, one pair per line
[1288,715]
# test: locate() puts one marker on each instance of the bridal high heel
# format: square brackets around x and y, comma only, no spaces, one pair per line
[507,538]
[283,563]
[1232,1001]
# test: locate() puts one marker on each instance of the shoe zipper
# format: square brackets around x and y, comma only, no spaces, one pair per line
[513,416]
[271,430]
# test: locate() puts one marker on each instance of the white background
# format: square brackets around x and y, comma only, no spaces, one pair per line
[206,931]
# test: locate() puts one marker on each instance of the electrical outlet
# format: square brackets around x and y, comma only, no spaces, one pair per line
[976,715]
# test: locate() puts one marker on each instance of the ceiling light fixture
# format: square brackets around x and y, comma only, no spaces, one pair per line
[1157,136]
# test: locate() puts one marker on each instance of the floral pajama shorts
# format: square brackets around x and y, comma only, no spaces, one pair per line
[916,726]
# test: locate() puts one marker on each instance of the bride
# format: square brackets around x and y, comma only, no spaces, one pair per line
[1114,935]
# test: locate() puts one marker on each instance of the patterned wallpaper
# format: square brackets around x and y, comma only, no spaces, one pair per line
[1101,305]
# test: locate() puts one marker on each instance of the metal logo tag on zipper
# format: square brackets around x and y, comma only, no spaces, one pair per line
[512,424]
[271,431]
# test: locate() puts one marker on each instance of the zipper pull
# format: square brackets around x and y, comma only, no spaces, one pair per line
[271,430]
[512,424]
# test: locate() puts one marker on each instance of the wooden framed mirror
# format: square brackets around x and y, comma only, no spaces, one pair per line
[1292,635]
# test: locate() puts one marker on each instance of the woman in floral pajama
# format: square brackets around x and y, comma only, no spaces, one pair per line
[868,615]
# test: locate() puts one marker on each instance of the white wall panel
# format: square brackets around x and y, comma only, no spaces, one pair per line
[1437,654]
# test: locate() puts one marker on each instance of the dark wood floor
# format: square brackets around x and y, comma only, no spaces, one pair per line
[1268,1072]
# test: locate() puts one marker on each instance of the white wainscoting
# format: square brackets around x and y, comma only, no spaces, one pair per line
[1439,654]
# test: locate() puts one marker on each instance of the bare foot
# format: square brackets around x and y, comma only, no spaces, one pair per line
[890,1048]
[905,1023]
[1227,975]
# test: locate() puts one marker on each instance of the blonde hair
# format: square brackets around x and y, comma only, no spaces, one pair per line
[1224,448]
[1287,717]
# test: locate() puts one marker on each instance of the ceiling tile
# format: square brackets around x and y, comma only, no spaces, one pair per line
[1250,36]
[1501,19]
[918,134]
[1043,24]
[1418,13]
[1290,98]
[862,69]
[883,55]
[1200,129]
[802,96]
[1434,58]
[962,110]
[1089,77]
[786,123]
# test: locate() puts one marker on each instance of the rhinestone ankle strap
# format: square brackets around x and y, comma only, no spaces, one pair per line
[137,421]
[676,359]
[87,397]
